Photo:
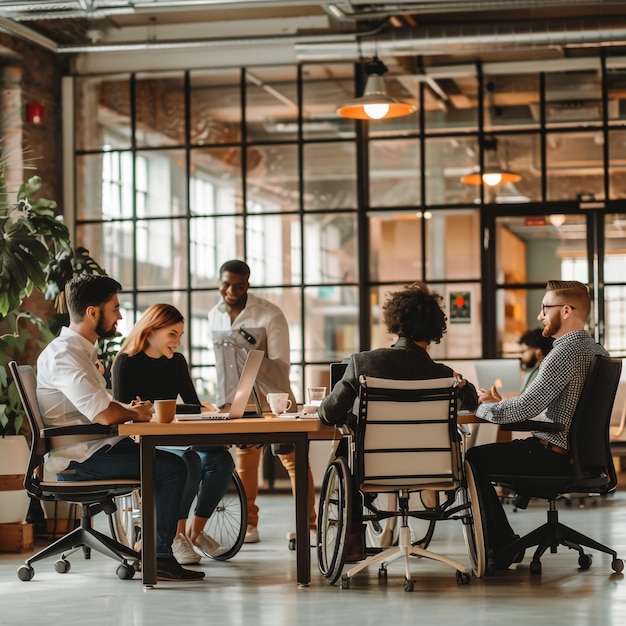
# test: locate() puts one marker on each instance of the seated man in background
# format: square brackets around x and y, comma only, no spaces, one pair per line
[415,316]
[555,390]
[535,347]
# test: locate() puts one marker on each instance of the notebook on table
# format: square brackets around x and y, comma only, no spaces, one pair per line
[242,394]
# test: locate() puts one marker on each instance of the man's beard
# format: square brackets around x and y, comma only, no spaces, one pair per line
[103,332]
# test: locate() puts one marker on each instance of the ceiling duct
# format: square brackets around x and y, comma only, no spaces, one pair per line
[468,38]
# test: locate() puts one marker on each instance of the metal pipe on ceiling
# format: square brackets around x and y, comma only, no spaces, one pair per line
[468,38]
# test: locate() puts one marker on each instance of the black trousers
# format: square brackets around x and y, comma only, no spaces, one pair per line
[520,457]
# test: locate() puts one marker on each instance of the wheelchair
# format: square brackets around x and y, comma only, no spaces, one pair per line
[405,465]
[227,525]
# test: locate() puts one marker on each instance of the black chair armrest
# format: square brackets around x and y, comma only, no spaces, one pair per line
[529,425]
[79,429]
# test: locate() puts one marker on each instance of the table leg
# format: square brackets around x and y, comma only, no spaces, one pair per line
[303,550]
[148,514]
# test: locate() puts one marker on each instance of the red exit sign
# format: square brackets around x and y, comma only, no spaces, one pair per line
[535,221]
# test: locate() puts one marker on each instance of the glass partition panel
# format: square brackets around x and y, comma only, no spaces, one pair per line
[511,101]
[271,101]
[215,186]
[330,248]
[331,319]
[574,97]
[329,188]
[575,164]
[102,112]
[615,318]
[447,160]
[215,107]
[394,173]
[160,183]
[213,241]
[325,87]
[273,179]
[617,164]
[111,245]
[161,253]
[395,246]
[454,105]
[452,244]
[160,109]
[273,244]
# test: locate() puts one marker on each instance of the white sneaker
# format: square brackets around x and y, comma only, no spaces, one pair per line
[183,551]
[208,545]
[252,535]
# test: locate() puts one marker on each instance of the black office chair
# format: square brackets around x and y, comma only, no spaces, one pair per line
[93,496]
[592,471]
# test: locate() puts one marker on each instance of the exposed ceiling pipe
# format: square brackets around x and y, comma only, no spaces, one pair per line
[470,39]
[18,30]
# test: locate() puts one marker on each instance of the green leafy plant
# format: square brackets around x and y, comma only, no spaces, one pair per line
[35,252]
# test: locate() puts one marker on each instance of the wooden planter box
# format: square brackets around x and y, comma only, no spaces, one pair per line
[16,537]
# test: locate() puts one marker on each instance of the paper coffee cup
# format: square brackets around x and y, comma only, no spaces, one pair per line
[164,410]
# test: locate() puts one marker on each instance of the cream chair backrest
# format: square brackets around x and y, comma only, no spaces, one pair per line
[407,432]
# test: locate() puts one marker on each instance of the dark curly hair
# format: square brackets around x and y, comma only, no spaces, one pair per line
[416,313]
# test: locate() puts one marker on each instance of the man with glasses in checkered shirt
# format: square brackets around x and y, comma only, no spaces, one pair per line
[555,390]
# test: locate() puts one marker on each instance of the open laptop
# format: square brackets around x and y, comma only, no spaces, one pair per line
[242,394]
[506,374]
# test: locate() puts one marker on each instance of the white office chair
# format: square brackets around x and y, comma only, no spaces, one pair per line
[406,441]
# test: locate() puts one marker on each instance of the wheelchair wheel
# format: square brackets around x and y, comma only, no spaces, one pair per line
[126,520]
[227,525]
[474,530]
[333,520]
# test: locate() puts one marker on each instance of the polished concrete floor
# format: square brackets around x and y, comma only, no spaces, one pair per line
[258,585]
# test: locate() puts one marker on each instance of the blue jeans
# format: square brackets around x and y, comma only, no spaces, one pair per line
[122,461]
[209,468]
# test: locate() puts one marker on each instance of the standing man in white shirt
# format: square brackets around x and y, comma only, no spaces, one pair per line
[242,311]
[71,391]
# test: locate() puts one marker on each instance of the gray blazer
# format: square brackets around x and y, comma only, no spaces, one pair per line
[403,361]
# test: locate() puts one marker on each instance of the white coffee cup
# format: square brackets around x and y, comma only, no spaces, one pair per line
[164,410]
[279,402]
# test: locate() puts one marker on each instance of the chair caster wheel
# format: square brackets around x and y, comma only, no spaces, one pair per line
[291,541]
[62,566]
[535,568]
[462,578]
[584,561]
[345,582]
[617,565]
[408,584]
[125,571]
[25,572]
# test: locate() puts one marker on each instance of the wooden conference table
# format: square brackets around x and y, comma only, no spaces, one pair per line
[237,431]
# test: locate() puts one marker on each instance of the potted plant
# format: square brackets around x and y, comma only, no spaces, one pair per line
[35,253]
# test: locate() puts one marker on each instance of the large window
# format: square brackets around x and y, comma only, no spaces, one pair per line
[177,172]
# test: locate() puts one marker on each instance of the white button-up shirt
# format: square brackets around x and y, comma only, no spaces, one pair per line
[70,390]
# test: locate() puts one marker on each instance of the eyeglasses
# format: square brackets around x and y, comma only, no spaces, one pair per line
[551,306]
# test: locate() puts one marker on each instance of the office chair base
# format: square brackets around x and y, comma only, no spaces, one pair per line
[89,539]
[553,534]
[404,550]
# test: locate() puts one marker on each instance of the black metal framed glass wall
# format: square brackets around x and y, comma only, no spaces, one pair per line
[178,171]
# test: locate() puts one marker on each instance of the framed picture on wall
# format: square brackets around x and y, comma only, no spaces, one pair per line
[460,307]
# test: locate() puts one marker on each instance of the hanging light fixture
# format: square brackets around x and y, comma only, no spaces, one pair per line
[375,103]
[493,175]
